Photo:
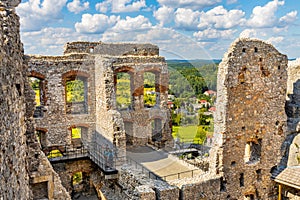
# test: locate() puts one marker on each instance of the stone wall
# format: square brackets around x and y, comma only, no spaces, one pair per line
[250,122]
[14,179]
[25,171]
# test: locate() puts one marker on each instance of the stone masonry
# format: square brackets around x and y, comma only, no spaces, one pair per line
[250,123]
[25,172]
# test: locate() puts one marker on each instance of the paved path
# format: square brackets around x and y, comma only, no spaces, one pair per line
[161,163]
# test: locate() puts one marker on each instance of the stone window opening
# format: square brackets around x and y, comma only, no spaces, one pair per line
[151,89]
[241,180]
[123,87]
[76,94]
[55,153]
[42,137]
[77,182]
[38,86]
[255,49]
[253,151]
[244,50]
[76,135]
[249,197]
[258,175]
[223,185]
[156,130]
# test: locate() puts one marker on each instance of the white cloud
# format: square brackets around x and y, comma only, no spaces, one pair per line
[97,23]
[220,18]
[214,34]
[187,18]
[288,18]
[275,40]
[76,6]
[192,4]
[248,33]
[35,14]
[132,24]
[231,1]
[264,16]
[164,15]
[118,6]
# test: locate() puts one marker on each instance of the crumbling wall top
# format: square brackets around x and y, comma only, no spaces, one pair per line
[112,49]
[9,3]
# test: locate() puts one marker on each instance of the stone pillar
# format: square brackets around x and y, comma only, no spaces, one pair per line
[138,90]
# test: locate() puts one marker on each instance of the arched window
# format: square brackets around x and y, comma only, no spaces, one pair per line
[77,132]
[41,136]
[37,82]
[156,130]
[123,86]
[150,90]
[76,92]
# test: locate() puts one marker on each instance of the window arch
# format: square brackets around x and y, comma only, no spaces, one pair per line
[151,88]
[76,90]
[38,84]
[77,133]
[123,86]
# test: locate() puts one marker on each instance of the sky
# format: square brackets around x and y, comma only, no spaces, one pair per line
[182,29]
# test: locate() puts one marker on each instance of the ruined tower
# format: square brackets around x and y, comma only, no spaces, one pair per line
[250,122]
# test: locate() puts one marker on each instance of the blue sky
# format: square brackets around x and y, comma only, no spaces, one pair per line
[183,29]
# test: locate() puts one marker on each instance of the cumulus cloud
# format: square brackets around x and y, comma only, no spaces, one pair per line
[97,23]
[264,16]
[192,4]
[34,14]
[220,18]
[288,18]
[213,34]
[118,6]
[164,15]
[187,18]
[275,40]
[248,33]
[132,24]
[76,6]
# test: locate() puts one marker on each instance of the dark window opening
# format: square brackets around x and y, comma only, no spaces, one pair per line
[253,151]
[76,95]
[18,86]
[223,185]
[244,50]
[241,180]
[255,49]
[233,163]
[123,91]
[278,67]
[249,197]
[258,174]
[150,89]
[156,130]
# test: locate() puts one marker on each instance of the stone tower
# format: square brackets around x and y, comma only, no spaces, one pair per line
[250,123]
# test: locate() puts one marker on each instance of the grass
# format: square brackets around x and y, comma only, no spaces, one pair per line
[54,154]
[191,133]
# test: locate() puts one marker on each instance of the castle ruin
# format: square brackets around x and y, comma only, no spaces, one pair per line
[255,152]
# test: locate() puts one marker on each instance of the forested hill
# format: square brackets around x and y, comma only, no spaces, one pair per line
[192,77]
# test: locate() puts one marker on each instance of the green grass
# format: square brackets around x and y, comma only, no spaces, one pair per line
[192,133]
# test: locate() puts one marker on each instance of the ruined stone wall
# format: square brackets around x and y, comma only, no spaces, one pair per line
[56,119]
[25,171]
[14,179]
[250,122]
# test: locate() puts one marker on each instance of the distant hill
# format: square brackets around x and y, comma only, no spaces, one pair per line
[198,61]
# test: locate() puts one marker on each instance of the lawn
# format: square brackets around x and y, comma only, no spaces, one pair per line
[190,133]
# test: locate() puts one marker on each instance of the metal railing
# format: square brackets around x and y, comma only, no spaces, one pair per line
[180,175]
[69,152]
[144,170]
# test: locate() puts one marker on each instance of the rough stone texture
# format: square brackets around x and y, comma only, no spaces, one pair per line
[25,171]
[250,122]
[14,179]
